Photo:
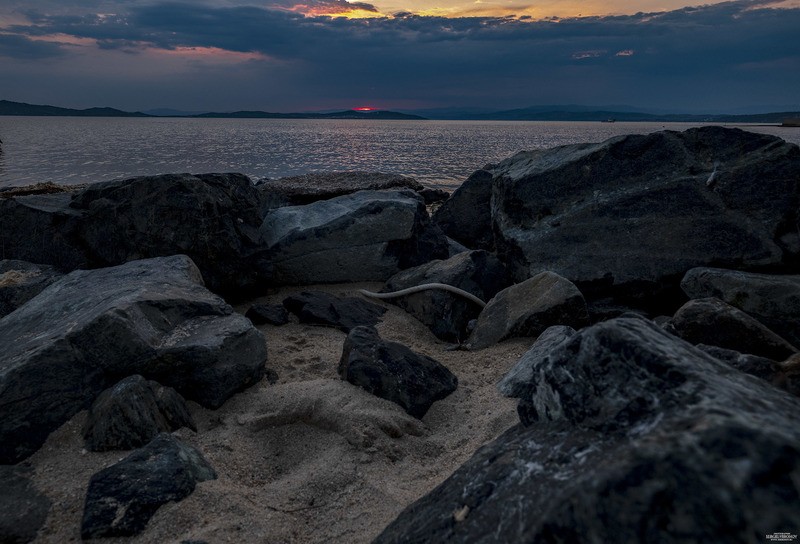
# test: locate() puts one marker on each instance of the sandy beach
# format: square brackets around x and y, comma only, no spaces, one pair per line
[310,458]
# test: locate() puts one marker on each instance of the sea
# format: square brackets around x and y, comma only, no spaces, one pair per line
[440,154]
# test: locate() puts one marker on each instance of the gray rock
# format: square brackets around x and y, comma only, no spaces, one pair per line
[272,314]
[514,383]
[773,300]
[122,498]
[528,308]
[343,313]
[132,413]
[308,188]
[20,281]
[454,248]
[393,372]
[713,322]
[634,436]
[24,509]
[213,218]
[628,217]
[364,236]
[760,367]
[92,328]
[447,314]
[466,216]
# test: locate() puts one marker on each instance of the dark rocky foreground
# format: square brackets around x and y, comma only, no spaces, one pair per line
[659,274]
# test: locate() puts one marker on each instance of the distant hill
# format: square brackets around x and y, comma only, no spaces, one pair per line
[347,114]
[570,112]
[582,113]
[20,108]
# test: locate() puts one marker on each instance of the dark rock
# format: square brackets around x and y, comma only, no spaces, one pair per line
[308,188]
[528,308]
[272,314]
[634,436]
[213,218]
[713,322]
[20,281]
[466,216]
[392,371]
[122,498]
[91,328]
[760,367]
[318,308]
[365,236]
[132,413]
[24,509]
[516,381]
[628,217]
[773,300]
[433,196]
[454,248]
[447,314]
[789,379]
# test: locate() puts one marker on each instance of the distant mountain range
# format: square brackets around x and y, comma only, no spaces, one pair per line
[569,112]
[20,108]
[573,112]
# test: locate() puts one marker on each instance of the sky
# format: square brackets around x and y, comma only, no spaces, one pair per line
[307,55]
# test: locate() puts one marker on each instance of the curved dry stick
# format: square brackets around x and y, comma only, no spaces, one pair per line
[424,287]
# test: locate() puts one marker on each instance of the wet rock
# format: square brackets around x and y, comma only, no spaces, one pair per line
[24,509]
[629,435]
[528,308]
[272,314]
[20,281]
[392,371]
[308,188]
[213,218]
[434,196]
[626,218]
[713,322]
[91,328]
[467,216]
[122,498]
[343,313]
[514,383]
[364,236]
[772,299]
[132,413]
[445,313]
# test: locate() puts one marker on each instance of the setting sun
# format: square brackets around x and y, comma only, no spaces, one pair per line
[364,108]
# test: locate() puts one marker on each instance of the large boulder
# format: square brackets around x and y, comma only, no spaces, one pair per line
[308,188]
[629,435]
[528,308]
[122,498]
[91,328]
[516,381]
[393,372]
[20,281]
[713,322]
[629,216]
[364,236]
[132,413]
[213,218]
[343,313]
[466,216]
[445,313]
[24,509]
[772,299]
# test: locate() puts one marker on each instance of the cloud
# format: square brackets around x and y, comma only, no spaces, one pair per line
[16,46]
[722,52]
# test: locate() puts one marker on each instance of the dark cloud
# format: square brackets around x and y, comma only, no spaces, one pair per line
[21,47]
[724,52]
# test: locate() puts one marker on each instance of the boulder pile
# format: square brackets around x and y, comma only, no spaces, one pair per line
[657,278]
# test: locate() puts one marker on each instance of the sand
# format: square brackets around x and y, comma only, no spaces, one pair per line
[309,459]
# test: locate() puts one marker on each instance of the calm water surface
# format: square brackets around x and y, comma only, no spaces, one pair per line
[437,153]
